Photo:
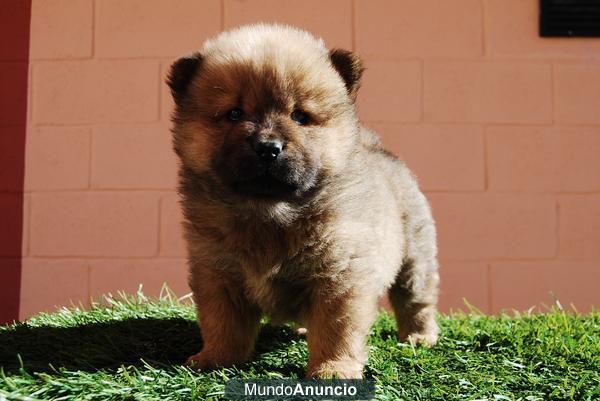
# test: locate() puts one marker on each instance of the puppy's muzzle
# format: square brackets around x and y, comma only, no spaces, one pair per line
[268,150]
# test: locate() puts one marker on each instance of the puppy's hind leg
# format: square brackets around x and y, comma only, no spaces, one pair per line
[414,298]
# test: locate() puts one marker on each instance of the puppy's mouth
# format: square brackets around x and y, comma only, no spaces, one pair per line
[274,181]
[266,186]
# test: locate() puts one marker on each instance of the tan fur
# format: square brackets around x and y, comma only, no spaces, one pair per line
[351,225]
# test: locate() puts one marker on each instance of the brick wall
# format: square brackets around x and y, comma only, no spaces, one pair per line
[14,24]
[502,128]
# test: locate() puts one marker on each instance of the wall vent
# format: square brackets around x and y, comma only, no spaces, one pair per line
[570,18]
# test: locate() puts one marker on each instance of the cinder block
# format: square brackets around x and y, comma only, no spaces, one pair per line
[488,226]
[331,20]
[521,285]
[47,284]
[103,224]
[13,102]
[133,156]
[14,19]
[154,28]
[543,159]
[390,92]
[61,29]
[577,94]
[487,92]
[11,231]
[171,230]
[579,227]
[463,281]
[88,92]
[57,158]
[391,29]
[113,275]
[512,31]
[443,157]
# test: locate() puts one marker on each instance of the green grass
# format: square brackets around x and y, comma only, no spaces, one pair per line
[131,348]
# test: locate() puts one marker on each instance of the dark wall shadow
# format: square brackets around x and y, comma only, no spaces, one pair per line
[109,345]
[14,65]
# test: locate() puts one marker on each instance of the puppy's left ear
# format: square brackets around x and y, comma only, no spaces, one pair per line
[181,74]
[350,68]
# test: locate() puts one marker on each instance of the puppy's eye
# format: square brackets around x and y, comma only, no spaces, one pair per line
[300,117]
[235,114]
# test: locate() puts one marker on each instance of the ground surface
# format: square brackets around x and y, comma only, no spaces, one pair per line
[132,349]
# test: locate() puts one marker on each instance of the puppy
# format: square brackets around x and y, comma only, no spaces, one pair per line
[292,208]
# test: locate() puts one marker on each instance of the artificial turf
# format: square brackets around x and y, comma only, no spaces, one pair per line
[131,348]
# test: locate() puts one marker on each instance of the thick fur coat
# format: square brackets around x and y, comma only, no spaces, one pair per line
[292,208]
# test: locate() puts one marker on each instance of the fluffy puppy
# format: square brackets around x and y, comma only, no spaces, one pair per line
[292,208]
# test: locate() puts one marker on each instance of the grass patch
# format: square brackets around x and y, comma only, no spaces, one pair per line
[131,348]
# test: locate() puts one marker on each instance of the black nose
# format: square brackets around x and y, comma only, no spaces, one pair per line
[268,150]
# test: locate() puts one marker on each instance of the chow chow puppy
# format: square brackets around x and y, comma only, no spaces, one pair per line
[292,208]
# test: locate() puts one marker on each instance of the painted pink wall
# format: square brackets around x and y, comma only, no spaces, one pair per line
[502,128]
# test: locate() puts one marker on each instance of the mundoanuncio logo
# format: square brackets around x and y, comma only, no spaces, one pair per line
[334,389]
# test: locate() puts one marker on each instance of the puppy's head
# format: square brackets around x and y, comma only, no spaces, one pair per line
[266,111]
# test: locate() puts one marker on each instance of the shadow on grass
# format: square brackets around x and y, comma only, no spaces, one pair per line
[109,345]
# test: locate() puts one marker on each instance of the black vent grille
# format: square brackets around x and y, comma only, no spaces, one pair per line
[570,18]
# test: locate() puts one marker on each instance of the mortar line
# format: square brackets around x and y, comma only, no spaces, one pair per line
[483,29]
[222,5]
[93,29]
[353,24]
[158,231]
[490,288]
[486,178]
[90,134]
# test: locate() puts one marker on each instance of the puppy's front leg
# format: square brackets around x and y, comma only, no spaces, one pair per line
[337,334]
[228,321]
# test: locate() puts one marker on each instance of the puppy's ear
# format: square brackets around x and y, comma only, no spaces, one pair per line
[350,68]
[181,74]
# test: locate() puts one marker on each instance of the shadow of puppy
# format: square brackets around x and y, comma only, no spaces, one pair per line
[98,346]
[109,345]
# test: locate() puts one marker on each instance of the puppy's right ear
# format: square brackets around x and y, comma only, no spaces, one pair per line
[350,68]
[181,74]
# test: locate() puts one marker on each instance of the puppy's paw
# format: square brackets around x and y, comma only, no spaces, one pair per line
[426,339]
[200,361]
[207,360]
[337,370]
[427,336]
[301,331]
